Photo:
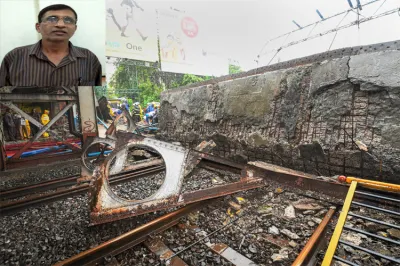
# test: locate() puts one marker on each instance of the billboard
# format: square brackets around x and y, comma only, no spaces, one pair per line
[131,30]
[184,47]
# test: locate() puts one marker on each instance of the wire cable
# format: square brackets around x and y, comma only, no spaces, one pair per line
[311,24]
[334,37]
[357,22]
[379,7]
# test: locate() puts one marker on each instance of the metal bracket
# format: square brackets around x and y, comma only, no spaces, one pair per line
[106,206]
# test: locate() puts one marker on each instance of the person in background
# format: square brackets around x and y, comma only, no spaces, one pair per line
[28,128]
[45,119]
[36,115]
[9,125]
[103,110]
[17,122]
[150,113]
[23,129]
[137,112]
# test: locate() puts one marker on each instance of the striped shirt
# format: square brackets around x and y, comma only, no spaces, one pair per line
[28,66]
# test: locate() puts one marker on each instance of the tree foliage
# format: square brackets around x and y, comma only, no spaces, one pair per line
[135,82]
[233,69]
[145,84]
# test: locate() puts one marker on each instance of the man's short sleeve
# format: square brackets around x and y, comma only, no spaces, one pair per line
[5,70]
[99,74]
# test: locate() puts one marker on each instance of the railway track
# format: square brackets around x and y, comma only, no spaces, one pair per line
[9,207]
[151,234]
[67,181]
[148,233]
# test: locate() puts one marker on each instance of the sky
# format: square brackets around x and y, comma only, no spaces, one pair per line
[238,30]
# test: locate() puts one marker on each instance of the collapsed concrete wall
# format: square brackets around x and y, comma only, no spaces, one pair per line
[332,113]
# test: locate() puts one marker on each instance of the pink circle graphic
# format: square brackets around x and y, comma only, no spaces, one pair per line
[189,27]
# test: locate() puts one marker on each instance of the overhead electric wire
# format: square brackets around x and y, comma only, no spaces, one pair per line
[356,22]
[334,37]
[379,7]
[311,24]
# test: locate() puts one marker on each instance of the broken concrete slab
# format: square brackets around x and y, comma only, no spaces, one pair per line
[375,70]
[306,205]
[328,73]
[290,212]
[291,235]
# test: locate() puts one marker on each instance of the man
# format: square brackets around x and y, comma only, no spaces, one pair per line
[53,61]
[137,112]
[17,123]
[103,111]
[9,125]
[23,129]
[149,113]
[45,119]
[36,115]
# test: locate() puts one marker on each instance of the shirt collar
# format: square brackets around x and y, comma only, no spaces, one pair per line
[74,52]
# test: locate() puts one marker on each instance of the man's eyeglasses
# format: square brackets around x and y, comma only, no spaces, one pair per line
[55,19]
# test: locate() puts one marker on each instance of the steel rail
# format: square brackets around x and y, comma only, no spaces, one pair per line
[11,207]
[371,235]
[377,196]
[375,208]
[374,220]
[60,182]
[316,236]
[377,254]
[131,238]
[46,185]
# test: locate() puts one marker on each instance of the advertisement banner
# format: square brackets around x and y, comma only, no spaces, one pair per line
[131,30]
[184,47]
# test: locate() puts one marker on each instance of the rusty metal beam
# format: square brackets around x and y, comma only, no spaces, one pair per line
[35,97]
[3,155]
[218,191]
[40,160]
[296,179]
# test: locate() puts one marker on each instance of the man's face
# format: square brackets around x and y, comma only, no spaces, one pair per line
[57,31]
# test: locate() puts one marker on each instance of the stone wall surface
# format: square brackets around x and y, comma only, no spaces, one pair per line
[317,117]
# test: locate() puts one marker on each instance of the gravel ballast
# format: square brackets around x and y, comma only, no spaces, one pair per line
[52,232]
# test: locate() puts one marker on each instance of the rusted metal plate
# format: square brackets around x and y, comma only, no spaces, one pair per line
[106,206]
[234,257]
[163,252]
[224,250]
[218,248]
[275,240]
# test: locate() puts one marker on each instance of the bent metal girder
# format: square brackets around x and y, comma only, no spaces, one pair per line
[106,206]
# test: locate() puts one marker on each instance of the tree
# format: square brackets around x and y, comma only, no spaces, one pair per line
[145,84]
[233,69]
[138,82]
